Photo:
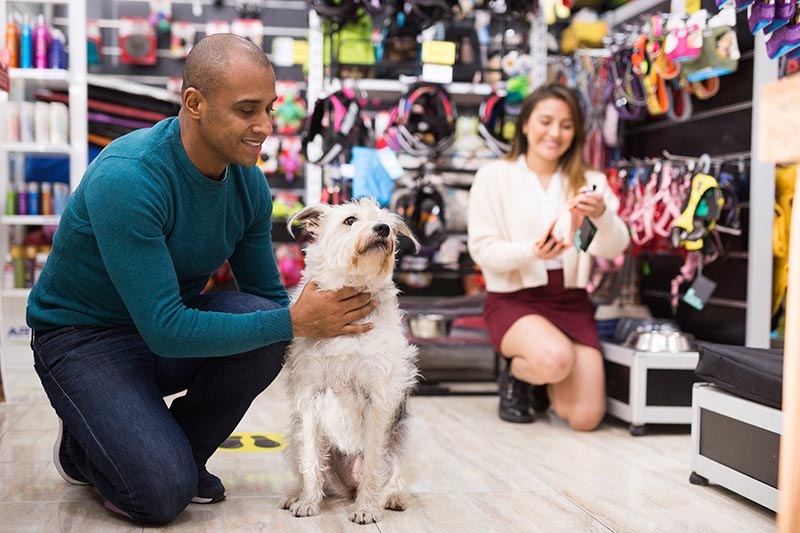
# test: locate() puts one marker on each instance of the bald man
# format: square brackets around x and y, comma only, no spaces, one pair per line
[118,316]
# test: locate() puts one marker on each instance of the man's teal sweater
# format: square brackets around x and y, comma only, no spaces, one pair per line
[140,237]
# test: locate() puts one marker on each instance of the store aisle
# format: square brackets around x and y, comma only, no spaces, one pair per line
[472,473]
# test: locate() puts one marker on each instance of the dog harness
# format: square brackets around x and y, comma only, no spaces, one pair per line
[702,211]
[333,128]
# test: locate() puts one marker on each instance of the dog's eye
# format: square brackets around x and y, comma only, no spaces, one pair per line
[349,221]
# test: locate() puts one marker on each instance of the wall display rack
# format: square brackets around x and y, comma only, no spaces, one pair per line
[15,355]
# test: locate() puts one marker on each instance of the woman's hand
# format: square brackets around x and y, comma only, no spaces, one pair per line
[551,248]
[591,204]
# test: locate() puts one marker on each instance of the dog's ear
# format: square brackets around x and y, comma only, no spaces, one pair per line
[307,217]
[403,229]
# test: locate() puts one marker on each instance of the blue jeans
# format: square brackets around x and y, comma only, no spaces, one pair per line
[108,388]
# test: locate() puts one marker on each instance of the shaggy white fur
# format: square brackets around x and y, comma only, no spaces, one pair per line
[348,394]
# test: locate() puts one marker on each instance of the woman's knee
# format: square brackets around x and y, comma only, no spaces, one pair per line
[586,418]
[553,361]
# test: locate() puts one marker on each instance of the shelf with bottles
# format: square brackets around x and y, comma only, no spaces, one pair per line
[35,46]
[41,127]
[34,202]
[23,264]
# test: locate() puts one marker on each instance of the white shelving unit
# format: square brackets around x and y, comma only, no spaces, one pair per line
[16,362]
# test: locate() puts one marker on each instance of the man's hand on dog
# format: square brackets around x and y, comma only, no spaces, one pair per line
[324,314]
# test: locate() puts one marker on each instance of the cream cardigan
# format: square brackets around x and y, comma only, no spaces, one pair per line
[503,225]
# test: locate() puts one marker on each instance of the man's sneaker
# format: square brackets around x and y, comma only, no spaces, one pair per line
[63,460]
[209,487]
[515,398]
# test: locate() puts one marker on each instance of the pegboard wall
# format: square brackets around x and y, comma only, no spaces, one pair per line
[280,18]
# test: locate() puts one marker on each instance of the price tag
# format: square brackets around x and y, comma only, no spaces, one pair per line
[300,52]
[439,52]
[698,294]
[437,73]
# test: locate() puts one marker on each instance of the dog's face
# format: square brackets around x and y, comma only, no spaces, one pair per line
[353,242]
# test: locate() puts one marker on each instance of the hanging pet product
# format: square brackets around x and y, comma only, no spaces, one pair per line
[781,230]
[426,120]
[137,41]
[719,56]
[697,221]
[426,13]
[785,41]
[700,215]
[497,122]
[182,39]
[684,38]
[625,90]
[336,10]
[423,210]
[333,128]
[351,42]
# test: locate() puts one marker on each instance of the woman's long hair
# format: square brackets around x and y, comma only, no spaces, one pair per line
[571,163]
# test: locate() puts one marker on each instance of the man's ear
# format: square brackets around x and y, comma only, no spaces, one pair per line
[193,102]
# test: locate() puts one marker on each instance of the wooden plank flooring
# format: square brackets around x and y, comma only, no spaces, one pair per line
[470,472]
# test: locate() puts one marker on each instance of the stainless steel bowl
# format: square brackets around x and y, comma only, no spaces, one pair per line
[429,326]
[664,340]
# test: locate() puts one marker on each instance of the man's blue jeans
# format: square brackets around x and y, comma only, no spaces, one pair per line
[108,388]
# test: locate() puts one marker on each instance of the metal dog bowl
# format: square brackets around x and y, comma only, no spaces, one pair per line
[664,340]
[429,326]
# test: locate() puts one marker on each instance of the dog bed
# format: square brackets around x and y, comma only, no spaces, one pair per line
[752,373]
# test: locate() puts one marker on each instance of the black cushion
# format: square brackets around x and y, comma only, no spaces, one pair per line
[752,373]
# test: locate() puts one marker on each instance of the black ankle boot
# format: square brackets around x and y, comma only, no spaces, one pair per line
[540,401]
[515,398]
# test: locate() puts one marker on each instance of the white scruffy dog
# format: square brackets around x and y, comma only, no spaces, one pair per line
[348,393]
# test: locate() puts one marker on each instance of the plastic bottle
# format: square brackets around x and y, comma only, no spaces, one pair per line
[33,198]
[18,262]
[60,196]
[27,122]
[41,43]
[8,272]
[11,199]
[25,43]
[12,42]
[22,199]
[30,266]
[47,198]
[41,122]
[12,121]
[41,259]
[57,54]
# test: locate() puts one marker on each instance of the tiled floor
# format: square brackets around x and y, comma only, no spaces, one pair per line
[471,473]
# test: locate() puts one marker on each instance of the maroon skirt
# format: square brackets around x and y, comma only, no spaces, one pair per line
[567,309]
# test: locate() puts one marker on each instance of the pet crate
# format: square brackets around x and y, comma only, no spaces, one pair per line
[735,444]
[649,387]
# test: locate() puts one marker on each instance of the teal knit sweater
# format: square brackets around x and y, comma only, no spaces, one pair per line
[140,237]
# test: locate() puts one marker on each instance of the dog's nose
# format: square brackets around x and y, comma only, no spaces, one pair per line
[381,229]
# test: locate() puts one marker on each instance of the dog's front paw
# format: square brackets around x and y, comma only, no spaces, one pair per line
[289,501]
[300,507]
[397,502]
[365,516]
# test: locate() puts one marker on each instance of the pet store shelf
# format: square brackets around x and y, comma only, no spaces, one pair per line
[37,148]
[30,220]
[40,74]
[21,294]
[400,86]
[46,2]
